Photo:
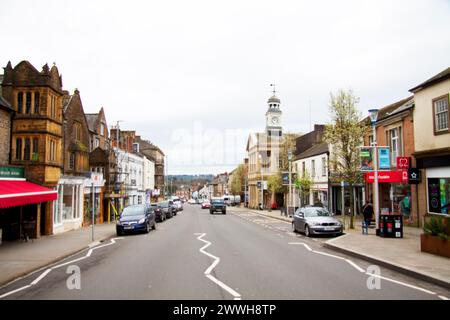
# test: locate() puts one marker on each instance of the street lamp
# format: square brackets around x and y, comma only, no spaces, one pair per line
[262,188]
[373,118]
[290,183]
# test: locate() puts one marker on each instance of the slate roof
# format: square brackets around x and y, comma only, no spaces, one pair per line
[315,150]
[441,76]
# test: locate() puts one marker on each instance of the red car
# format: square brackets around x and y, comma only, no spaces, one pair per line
[206,205]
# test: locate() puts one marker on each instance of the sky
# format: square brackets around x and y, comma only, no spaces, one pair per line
[194,76]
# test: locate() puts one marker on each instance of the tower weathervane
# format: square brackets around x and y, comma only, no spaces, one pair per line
[273,85]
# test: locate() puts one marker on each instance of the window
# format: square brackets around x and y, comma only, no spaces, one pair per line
[28,103]
[20,102]
[303,169]
[77,131]
[27,149]
[370,140]
[102,129]
[439,195]
[35,152]
[36,102]
[19,149]
[52,106]
[441,115]
[324,166]
[72,161]
[313,168]
[52,150]
[96,143]
[394,136]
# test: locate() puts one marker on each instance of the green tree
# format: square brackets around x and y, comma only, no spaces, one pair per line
[345,135]
[303,185]
[238,180]
[274,184]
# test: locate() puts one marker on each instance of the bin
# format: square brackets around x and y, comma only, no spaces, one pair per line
[391,226]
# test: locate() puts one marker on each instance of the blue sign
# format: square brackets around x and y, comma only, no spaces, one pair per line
[384,159]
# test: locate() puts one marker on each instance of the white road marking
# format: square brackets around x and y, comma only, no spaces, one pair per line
[443,298]
[401,283]
[46,272]
[207,273]
[355,265]
[303,244]
[328,255]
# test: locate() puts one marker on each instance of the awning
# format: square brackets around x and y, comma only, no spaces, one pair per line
[15,193]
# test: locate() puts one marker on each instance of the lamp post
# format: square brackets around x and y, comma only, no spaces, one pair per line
[376,206]
[290,183]
[262,187]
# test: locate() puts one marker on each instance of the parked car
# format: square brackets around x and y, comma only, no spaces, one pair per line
[206,204]
[315,220]
[136,218]
[160,215]
[178,204]
[191,201]
[174,207]
[217,204]
[167,208]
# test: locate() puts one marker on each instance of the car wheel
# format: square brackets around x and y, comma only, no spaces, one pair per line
[210,211]
[293,228]
[307,232]
[224,212]
[154,225]
[119,233]
[147,228]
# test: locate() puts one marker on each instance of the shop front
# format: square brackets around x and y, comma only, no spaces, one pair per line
[68,208]
[21,210]
[394,193]
[93,198]
[438,190]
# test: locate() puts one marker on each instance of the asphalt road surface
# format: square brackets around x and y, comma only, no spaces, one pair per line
[195,255]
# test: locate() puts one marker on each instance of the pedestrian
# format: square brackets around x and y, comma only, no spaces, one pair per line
[405,207]
[367,213]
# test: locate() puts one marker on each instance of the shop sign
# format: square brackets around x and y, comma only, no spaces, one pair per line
[403,162]
[383,158]
[414,176]
[11,172]
[388,176]
[95,179]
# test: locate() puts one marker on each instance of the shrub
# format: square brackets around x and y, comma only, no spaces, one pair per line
[436,227]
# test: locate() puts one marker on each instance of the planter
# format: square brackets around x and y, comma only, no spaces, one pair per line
[434,245]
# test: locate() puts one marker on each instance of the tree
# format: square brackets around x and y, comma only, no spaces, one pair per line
[274,184]
[287,145]
[238,180]
[304,184]
[345,135]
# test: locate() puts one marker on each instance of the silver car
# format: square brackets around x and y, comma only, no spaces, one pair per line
[315,220]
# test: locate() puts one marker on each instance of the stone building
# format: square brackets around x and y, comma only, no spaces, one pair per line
[6,112]
[36,135]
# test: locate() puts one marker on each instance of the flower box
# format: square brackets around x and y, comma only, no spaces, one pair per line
[435,245]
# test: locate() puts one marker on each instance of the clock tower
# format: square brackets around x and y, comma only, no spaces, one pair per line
[273,117]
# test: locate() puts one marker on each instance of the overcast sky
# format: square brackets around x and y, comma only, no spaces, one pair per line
[193,76]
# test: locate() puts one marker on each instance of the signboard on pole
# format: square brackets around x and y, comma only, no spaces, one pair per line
[384,159]
[365,155]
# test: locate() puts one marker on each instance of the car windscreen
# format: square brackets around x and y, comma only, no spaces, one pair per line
[133,211]
[163,204]
[316,212]
[217,201]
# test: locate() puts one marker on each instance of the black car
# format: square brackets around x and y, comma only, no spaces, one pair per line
[160,215]
[218,205]
[167,208]
[136,218]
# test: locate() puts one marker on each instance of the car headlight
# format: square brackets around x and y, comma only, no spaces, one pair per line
[142,220]
[119,223]
[314,223]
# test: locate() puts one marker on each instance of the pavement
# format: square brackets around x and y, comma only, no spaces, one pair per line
[403,255]
[18,258]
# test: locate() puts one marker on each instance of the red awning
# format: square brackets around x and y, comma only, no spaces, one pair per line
[15,193]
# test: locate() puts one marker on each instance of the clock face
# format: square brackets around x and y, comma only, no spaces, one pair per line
[275,120]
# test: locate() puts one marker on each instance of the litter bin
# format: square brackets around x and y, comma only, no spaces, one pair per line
[391,226]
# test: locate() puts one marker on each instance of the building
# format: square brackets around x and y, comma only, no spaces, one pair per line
[219,185]
[36,134]
[263,152]
[149,151]
[432,143]
[6,113]
[72,202]
[313,164]
[394,130]
[98,130]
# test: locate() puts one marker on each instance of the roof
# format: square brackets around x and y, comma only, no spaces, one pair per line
[441,76]
[5,104]
[91,119]
[274,99]
[315,150]
[394,108]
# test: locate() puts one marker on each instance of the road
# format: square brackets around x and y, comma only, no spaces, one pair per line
[195,255]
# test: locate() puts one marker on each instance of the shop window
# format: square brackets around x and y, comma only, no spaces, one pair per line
[28,103]
[441,114]
[36,102]
[439,195]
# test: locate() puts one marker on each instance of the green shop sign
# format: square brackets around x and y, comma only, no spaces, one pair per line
[11,172]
